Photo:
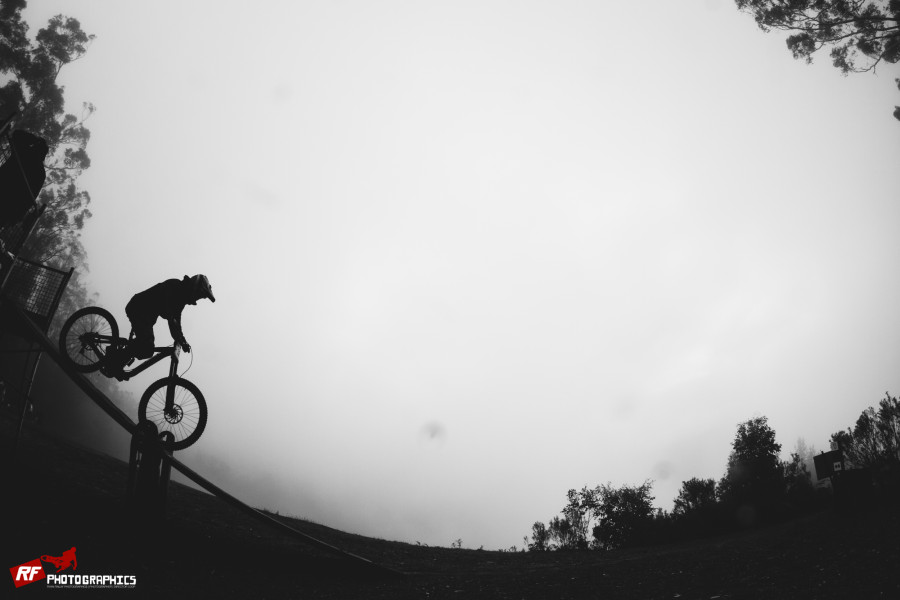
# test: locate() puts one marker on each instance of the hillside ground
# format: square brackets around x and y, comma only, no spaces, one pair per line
[57,496]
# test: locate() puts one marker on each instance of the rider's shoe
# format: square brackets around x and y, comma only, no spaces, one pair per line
[115,363]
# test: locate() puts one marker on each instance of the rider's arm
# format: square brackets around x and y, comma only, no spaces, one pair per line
[177,334]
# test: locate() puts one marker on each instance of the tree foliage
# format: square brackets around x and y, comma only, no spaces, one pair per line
[540,538]
[754,475]
[799,489]
[610,515]
[569,531]
[875,439]
[623,512]
[861,33]
[696,495]
[28,85]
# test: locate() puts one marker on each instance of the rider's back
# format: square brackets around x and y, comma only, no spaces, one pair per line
[164,300]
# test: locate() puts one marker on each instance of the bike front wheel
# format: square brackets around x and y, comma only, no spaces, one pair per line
[185,418]
[86,336]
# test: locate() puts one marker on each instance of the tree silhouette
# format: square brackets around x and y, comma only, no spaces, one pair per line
[875,439]
[753,483]
[695,496]
[799,489]
[807,456]
[860,33]
[540,538]
[570,531]
[29,70]
[623,512]
[560,530]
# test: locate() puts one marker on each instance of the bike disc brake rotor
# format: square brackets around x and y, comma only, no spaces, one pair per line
[174,415]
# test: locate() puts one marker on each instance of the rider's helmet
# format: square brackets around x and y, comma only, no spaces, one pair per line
[200,288]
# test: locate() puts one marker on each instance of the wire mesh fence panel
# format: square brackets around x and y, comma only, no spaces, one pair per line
[36,288]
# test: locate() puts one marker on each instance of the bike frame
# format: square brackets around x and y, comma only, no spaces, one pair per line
[159,353]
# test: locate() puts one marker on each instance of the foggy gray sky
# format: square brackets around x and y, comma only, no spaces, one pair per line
[469,255]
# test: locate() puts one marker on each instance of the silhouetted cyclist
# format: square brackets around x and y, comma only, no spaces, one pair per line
[166,300]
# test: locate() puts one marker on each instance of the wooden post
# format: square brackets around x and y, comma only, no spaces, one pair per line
[148,474]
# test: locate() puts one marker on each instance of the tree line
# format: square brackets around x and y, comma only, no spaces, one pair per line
[757,488]
[30,90]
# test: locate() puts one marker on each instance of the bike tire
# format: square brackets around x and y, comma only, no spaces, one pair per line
[188,421]
[84,322]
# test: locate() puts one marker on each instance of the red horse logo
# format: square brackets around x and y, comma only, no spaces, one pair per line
[62,562]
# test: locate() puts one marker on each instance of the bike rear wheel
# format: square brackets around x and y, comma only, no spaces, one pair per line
[86,337]
[186,419]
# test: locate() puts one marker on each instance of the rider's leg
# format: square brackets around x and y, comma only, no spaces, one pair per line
[143,342]
[139,346]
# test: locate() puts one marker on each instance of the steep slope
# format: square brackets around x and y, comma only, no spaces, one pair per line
[59,496]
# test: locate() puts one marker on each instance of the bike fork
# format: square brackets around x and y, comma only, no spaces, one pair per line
[170,388]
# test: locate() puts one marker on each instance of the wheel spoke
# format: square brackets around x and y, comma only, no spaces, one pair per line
[187,417]
[81,335]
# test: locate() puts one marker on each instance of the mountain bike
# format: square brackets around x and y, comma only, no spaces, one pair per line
[172,403]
